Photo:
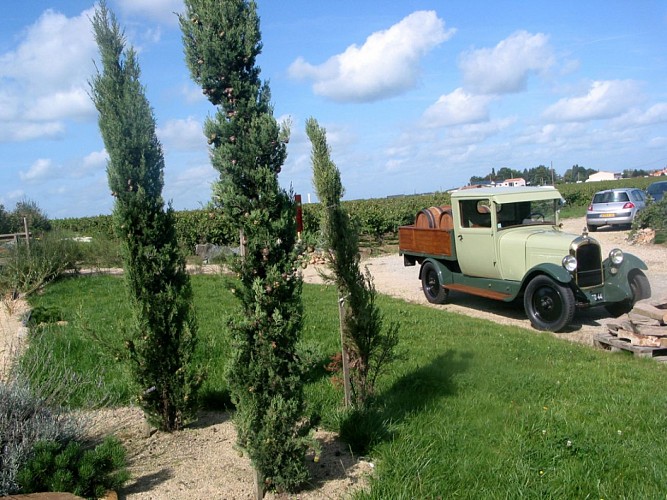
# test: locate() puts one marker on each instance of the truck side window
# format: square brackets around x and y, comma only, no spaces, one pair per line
[475,213]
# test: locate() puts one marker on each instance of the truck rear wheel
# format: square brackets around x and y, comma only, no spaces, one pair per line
[549,305]
[433,289]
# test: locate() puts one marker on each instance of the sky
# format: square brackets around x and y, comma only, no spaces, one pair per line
[415,96]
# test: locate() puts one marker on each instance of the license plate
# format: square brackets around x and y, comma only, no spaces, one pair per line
[597,297]
[607,215]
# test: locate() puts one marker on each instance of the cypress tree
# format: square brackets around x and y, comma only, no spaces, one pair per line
[368,346]
[164,341]
[222,41]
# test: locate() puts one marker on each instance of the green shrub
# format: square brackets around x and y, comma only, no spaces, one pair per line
[653,216]
[69,467]
[26,418]
[28,266]
[101,251]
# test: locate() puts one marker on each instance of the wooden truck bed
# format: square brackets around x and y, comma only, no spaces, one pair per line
[425,242]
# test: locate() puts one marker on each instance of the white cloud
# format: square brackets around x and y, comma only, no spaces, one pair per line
[55,52]
[182,135]
[386,65]
[192,93]
[652,116]
[157,10]
[506,67]
[605,99]
[44,78]
[41,169]
[24,131]
[91,164]
[456,108]
[72,103]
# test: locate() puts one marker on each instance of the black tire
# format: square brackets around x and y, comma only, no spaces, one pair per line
[433,289]
[591,229]
[640,288]
[549,305]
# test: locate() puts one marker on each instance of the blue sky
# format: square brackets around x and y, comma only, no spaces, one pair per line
[416,96]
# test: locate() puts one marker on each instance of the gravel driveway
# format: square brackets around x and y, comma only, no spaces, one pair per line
[392,278]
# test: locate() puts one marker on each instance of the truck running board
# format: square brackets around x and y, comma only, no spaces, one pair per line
[481,292]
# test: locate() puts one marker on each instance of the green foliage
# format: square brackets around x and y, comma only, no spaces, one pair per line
[654,216]
[368,346]
[5,224]
[99,225]
[26,417]
[69,467]
[578,174]
[222,41]
[165,325]
[12,222]
[28,266]
[471,409]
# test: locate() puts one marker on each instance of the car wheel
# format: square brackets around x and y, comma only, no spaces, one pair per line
[591,229]
[549,305]
[640,288]
[433,289]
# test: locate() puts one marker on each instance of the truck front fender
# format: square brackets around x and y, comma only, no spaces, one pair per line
[620,274]
[556,272]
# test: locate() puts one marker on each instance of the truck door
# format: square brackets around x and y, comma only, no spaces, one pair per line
[475,242]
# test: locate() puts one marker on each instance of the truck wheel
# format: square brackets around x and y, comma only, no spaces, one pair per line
[433,289]
[640,288]
[549,305]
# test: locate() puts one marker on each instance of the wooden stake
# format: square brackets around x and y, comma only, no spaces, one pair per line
[27,234]
[258,483]
[346,361]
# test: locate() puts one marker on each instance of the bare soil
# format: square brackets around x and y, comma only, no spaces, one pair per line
[202,461]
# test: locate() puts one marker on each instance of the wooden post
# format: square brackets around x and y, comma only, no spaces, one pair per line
[346,361]
[258,483]
[27,234]
[243,244]
[299,216]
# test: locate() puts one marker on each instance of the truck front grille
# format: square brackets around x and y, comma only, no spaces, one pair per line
[589,264]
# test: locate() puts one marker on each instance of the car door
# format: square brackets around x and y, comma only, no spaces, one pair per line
[475,243]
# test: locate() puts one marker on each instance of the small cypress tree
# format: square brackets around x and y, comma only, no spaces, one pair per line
[368,346]
[222,40]
[165,339]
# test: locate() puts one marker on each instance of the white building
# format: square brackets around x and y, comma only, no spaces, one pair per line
[603,176]
[519,181]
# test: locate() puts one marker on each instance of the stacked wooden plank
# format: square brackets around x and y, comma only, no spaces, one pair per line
[642,331]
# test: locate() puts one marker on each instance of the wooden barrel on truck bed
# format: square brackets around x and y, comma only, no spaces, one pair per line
[435,218]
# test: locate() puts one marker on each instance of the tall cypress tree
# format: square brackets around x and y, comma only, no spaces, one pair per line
[164,341]
[368,345]
[222,41]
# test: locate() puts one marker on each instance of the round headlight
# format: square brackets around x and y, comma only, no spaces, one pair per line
[616,256]
[570,263]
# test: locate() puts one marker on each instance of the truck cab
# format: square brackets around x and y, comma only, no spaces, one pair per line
[507,244]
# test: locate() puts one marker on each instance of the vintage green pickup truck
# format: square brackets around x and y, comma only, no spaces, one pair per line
[507,244]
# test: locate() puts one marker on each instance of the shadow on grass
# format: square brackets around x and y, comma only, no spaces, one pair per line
[410,394]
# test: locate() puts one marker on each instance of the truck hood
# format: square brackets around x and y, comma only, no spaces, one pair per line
[523,248]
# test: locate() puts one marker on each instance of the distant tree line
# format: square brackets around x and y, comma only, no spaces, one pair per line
[542,175]
[11,221]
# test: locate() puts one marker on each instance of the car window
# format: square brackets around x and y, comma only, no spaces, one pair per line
[475,213]
[621,196]
[658,188]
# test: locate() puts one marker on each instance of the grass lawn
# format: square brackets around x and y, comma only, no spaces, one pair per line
[472,409]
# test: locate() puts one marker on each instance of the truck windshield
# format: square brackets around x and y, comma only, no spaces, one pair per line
[526,213]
